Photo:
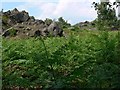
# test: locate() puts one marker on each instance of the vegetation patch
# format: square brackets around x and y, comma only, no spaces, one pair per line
[79,61]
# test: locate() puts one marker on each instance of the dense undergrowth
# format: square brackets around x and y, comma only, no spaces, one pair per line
[81,60]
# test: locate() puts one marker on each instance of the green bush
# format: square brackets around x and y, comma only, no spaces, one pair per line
[106,18]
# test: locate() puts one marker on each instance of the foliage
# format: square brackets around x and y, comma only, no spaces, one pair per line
[106,15]
[48,21]
[12,32]
[63,23]
[82,60]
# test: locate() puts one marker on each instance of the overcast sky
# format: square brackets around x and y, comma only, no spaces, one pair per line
[73,11]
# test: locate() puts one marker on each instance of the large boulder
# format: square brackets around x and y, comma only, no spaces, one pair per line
[44,32]
[54,29]
[39,22]
[6,33]
[14,11]
[14,16]
[48,21]
[19,17]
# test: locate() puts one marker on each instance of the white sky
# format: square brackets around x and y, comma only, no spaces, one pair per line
[73,11]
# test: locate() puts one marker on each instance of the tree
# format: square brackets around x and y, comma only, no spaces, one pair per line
[63,23]
[106,15]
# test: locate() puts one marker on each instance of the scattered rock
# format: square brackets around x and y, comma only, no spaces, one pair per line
[28,28]
[27,34]
[28,25]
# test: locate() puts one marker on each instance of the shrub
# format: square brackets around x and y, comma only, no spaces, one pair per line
[81,60]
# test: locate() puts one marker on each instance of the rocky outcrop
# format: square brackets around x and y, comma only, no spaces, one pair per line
[28,26]
[86,25]
[14,16]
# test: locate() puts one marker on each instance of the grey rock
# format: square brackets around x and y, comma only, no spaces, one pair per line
[27,34]
[6,33]
[37,33]
[45,32]
[14,10]
[54,29]
[7,13]
[48,21]
[19,17]
[28,28]
[31,19]
[38,22]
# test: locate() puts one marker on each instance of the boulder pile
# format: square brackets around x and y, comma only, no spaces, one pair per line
[20,24]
